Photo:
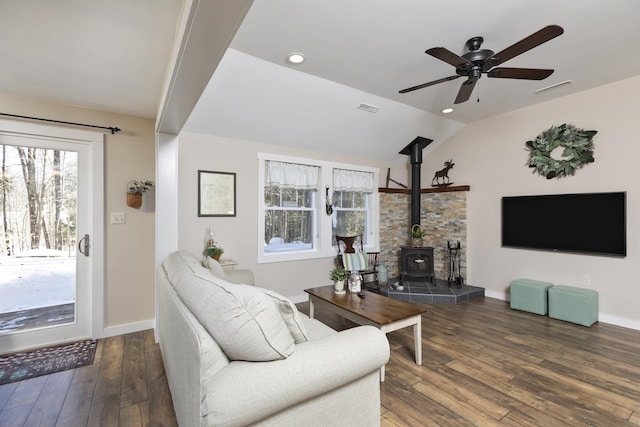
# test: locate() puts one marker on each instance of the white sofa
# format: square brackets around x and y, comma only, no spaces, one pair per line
[307,374]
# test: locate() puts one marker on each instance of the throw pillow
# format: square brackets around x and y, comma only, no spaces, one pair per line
[215,268]
[290,315]
[355,262]
[244,322]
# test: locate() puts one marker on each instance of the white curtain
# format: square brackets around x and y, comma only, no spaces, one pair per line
[350,180]
[292,175]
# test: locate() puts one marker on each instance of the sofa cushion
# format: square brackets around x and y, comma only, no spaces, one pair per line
[215,268]
[243,321]
[316,329]
[181,264]
[290,315]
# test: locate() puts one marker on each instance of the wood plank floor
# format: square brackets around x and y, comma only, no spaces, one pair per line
[125,386]
[483,365]
[487,365]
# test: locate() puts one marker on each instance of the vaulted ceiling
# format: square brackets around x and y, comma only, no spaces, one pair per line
[115,56]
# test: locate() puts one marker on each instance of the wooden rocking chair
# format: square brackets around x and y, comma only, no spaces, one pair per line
[353,258]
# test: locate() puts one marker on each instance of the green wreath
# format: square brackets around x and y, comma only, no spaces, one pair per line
[577,150]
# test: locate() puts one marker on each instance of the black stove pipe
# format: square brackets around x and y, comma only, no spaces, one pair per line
[414,150]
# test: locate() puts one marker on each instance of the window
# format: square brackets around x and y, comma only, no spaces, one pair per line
[290,193]
[293,219]
[351,212]
[352,203]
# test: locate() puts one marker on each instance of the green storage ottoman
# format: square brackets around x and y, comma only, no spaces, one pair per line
[529,295]
[575,305]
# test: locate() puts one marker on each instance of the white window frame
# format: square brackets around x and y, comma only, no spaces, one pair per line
[323,246]
[369,207]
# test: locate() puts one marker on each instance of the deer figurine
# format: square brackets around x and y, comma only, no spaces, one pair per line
[443,173]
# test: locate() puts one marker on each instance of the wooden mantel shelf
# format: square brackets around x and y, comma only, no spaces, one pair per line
[426,190]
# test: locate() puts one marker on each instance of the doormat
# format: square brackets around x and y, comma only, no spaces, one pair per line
[45,361]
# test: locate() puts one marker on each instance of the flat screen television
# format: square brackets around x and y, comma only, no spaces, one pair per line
[590,223]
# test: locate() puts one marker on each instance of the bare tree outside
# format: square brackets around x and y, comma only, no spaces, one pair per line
[5,186]
[38,179]
[38,192]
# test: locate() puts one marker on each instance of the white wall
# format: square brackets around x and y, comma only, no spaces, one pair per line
[237,235]
[490,156]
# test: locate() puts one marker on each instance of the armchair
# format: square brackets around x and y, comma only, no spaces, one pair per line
[353,258]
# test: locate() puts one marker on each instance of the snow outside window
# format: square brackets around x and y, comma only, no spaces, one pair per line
[293,222]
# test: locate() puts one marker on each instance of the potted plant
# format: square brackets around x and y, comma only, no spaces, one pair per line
[417,233]
[215,252]
[135,190]
[338,275]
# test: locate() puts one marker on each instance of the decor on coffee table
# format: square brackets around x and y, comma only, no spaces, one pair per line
[45,361]
[355,282]
[560,150]
[338,275]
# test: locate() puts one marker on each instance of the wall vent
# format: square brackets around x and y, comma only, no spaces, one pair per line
[542,89]
[368,108]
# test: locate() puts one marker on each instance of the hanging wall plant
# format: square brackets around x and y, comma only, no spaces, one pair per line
[135,190]
[560,150]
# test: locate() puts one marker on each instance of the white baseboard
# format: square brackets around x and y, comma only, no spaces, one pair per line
[112,331]
[618,321]
[497,295]
[604,318]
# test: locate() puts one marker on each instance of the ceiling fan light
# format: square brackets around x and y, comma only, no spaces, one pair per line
[295,58]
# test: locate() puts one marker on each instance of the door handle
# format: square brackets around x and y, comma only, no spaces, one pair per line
[83,245]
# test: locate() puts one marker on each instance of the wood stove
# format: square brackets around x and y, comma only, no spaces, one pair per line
[417,264]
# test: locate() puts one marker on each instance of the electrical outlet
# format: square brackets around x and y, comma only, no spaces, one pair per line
[586,280]
[118,218]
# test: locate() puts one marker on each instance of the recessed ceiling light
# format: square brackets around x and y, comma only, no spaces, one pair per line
[447,110]
[295,58]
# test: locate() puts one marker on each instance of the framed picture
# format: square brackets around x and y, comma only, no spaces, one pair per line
[216,193]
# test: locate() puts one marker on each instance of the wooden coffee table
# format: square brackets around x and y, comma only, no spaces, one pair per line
[376,310]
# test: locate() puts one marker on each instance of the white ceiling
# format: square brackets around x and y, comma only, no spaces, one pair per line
[109,55]
[113,55]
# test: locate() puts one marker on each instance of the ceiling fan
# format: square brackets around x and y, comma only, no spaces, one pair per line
[478,61]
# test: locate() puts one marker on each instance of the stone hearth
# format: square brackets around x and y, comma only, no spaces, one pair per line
[438,293]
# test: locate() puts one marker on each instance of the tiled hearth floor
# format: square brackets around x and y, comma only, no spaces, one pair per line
[438,293]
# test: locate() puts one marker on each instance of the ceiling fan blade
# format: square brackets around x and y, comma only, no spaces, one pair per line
[542,36]
[435,82]
[520,73]
[447,56]
[465,90]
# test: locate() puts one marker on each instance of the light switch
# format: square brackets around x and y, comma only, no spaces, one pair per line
[118,218]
